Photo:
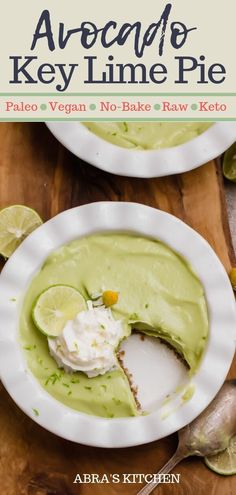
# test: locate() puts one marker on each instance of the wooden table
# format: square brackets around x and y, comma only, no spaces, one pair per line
[35,170]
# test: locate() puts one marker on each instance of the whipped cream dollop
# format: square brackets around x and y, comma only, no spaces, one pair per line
[88,343]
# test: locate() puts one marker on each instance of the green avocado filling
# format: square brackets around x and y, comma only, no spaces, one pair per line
[159,294]
[148,135]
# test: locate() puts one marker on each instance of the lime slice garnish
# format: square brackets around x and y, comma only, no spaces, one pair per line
[16,223]
[229,163]
[55,306]
[225,462]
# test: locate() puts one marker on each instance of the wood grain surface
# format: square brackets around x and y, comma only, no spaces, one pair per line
[35,170]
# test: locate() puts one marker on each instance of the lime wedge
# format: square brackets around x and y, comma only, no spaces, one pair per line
[16,223]
[55,306]
[229,163]
[225,462]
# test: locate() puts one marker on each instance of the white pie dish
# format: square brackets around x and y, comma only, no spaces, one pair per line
[146,164]
[110,217]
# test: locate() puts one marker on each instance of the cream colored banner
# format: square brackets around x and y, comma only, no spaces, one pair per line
[155,59]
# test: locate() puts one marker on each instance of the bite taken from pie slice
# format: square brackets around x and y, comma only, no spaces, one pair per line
[92,294]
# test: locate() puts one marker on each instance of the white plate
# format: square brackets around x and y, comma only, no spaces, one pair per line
[153,163]
[124,432]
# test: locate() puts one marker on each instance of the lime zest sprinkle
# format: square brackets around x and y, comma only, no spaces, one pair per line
[53,378]
[35,411]
[29,347]
[75,380]
[134,316]
[109,414]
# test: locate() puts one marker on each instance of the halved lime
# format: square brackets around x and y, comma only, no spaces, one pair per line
[225,462]
[55,306]
[16,223]
[229,163]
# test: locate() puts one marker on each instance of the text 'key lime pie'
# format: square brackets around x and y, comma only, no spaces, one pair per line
[88,297]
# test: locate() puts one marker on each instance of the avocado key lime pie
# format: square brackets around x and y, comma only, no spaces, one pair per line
[89,296]
[147,135]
